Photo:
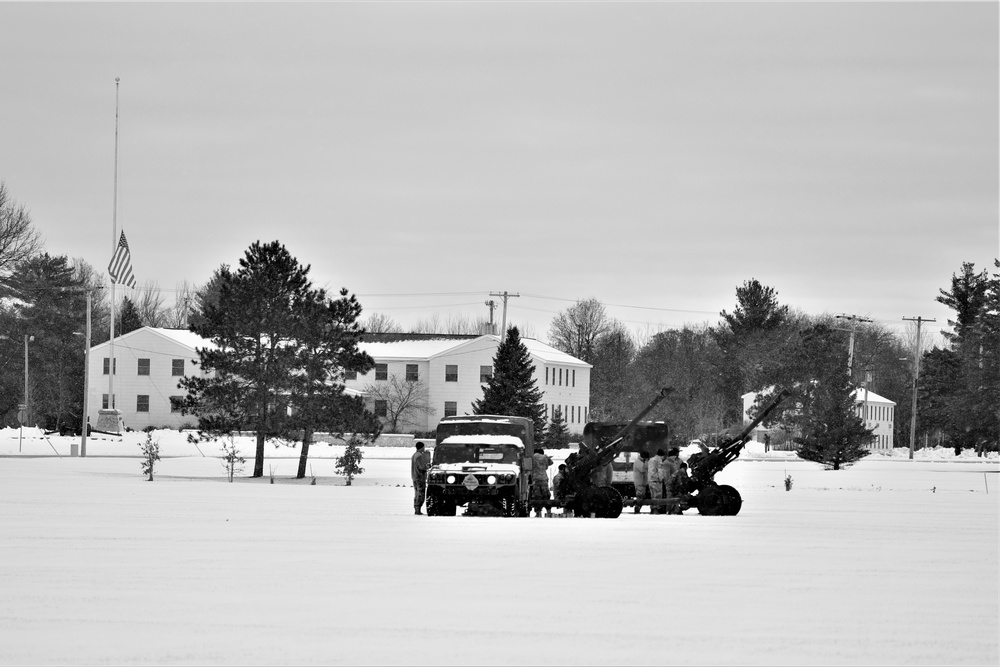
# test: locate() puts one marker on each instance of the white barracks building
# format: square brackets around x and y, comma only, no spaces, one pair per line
[149,362]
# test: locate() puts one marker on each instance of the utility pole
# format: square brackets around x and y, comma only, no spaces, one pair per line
[916,375]
[850,350]
[505,295]
[491,304]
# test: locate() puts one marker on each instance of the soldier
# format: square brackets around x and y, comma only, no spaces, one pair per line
[671,465]
[639,478]
[419,463]
[540,479]
[679,486]
[654,478]
[558,492]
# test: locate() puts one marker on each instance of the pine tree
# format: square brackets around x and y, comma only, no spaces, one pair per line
[128,318]
[249,373]
[349,465]
[326,337]
[512,390]
[833,433]
[556,434]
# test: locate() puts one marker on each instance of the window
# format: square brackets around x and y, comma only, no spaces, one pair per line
[485,373]
[411,373]
[546,375]
[574,377]
[144,367]
[142,403]
[381,371]
[350,375]
[381,408]
[451,373]
[107,363]
[560,377]
[175,403]
[104,401]
[177,367]
[450,408]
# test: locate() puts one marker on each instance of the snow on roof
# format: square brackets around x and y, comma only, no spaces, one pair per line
[183,337]
[411,349]
[870,397]
[482,440]
[426,349]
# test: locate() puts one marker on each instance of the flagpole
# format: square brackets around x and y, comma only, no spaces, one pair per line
[114,245]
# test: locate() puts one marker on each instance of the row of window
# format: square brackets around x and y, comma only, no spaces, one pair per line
[176,366]
[413,373]
[381,408]
[571,414]
[142,402]
[557,377]
[877,412]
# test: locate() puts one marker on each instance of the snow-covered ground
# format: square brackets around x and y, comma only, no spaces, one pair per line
[891,561]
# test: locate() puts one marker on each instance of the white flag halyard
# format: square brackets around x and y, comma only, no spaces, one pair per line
[120,268]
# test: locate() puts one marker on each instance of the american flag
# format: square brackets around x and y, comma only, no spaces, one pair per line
[120,267]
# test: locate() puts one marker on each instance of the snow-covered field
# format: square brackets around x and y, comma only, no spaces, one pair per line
[888,562]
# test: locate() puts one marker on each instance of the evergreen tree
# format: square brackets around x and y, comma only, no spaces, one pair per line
[511,390]
[248,373]
[833,434]
[326,336]
[128,318]
[349,465]
[50,305]
[960,386]
[556,434]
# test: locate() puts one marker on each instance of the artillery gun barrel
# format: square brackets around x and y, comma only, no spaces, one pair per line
[715,461]
[602,455]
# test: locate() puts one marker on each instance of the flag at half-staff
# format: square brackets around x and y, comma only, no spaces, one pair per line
[120,268]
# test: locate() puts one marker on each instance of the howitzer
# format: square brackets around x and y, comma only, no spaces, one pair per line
[582,496]
[701,490]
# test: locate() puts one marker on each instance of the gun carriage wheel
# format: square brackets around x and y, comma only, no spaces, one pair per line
[733,500]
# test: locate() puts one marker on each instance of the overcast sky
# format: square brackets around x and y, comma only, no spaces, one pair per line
[654,156]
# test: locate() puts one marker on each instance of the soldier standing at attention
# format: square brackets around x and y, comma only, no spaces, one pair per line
[540,478]
[639,478]
[670,465]
[419,463]
[654,476]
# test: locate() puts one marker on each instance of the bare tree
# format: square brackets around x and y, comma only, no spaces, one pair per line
[379,323]
[19,240]
[100,308]
[405,401]
[176,317]
[576,330]
[149,303]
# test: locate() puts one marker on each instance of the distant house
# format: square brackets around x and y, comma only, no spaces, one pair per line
[876,411]
[454,369]
[148,364]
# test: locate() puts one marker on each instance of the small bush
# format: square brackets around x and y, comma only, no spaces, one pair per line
[788,482]
[150,455]
[231,459]
[349,464]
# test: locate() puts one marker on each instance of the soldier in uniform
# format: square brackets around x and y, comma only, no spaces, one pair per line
[639,478]
[654,477]
[419,463]
[540,478]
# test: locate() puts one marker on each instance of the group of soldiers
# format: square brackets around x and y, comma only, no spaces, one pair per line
[661,476]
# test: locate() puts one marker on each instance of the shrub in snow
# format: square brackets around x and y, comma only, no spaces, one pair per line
[788,482]
[150,455]
[231,459]
[349,464]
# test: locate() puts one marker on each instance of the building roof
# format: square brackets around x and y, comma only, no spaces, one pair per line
[182,337]
[863,395]
[428,348]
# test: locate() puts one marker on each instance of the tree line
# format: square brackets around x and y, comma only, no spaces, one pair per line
[763,344]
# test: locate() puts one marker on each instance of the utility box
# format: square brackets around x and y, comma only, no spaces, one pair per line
[74,450]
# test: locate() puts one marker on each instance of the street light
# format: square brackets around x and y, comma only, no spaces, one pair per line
[27,409]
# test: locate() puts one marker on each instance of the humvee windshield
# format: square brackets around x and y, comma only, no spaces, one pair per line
[473,453]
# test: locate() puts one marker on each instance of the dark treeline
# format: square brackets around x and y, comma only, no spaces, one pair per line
[763,344]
